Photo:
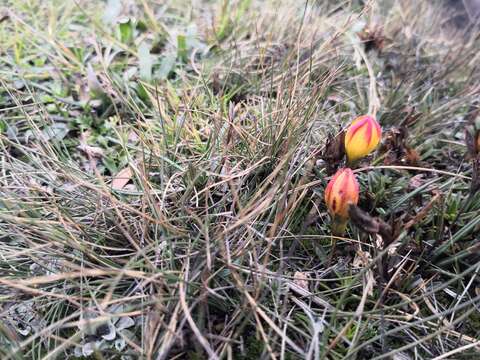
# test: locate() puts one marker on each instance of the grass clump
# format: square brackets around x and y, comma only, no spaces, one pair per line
[162,172]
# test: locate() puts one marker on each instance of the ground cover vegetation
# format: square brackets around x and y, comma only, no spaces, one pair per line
[163,167]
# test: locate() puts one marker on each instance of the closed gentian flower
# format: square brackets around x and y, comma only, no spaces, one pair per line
[341,192]
[362,137]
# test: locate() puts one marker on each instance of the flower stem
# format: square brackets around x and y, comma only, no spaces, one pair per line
[339,226]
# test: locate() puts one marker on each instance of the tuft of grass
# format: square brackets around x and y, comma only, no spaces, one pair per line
[162,177]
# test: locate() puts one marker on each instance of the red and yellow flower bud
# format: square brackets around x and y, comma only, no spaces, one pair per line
[362,137]
[341,192]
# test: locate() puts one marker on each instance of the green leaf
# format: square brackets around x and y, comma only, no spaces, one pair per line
[141,26]
[12,132]
[243,7]
[145,62]
[192,39]
[56,131]
[3,126]
[182,51]
[142,92]
[126,30]
[110,164]
[226,25]
[167,65]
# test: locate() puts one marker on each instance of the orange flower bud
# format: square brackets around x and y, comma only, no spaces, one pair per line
[341,191]
[362,137]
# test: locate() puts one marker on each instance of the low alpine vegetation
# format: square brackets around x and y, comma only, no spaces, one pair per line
[239,179]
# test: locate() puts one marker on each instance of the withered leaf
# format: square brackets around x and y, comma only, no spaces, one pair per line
[416,181]
[301,279]
[363,220]
[334,151]
[398,152]
[122,178]
[412,157]
[475,184]
[472,141]
[373,37]
[369,224]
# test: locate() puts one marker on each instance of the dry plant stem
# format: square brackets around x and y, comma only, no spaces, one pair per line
[374,226]
[339,226]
